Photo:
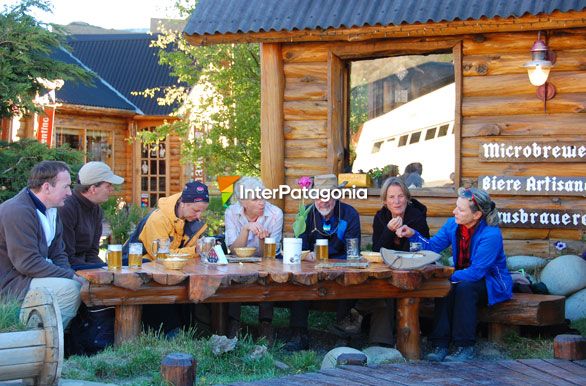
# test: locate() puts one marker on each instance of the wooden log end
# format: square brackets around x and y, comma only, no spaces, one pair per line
[178,369]
[569,347]
[354,359]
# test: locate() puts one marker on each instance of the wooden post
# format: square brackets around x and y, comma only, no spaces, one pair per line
[178,369]
[569,347]
[408,328]
[272,138]
[127,323]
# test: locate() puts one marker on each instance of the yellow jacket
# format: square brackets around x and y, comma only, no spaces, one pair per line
[163,223]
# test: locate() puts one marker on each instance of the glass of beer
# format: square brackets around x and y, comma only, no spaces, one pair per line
[161,248]
[114,257]
[269,248]
[321,249]
[135,255]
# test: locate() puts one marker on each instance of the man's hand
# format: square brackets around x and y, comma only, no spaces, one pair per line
[258,230]
[404,231]
[310,257]
[395,223]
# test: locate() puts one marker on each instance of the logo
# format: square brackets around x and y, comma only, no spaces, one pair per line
[226,186]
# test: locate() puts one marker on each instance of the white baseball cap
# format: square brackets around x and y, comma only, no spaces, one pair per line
[95,172]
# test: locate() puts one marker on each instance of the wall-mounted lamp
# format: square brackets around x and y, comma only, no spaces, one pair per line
[542,60]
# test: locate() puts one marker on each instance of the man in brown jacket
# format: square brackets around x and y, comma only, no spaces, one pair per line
[31,246]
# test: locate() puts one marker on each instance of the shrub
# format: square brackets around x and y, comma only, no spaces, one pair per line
[122,218]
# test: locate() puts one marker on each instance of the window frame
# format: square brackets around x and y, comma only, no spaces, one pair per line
[339,57]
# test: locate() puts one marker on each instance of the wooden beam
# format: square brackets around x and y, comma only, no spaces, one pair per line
[337,79]
[555,20]
[272,154]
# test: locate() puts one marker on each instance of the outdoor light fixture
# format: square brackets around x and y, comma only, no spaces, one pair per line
[542,60]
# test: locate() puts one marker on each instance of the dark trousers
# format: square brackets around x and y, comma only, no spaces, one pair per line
[300,312]
[265,311]
[455,315]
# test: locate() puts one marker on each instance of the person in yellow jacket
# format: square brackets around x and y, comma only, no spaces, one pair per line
[178,218]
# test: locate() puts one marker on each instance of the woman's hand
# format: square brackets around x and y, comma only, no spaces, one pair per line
[395,223]
[404,231]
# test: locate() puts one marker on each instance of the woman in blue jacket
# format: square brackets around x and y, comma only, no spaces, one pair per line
[480,275]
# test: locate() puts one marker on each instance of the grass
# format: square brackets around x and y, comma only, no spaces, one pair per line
[9,315]
[518,347]
[580,325]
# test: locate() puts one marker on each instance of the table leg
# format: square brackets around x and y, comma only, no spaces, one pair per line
[408,328]
[127,323]
[220,318]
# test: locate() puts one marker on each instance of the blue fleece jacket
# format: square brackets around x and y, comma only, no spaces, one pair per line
[487,257]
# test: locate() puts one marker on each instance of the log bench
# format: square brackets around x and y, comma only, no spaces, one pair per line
[521,310]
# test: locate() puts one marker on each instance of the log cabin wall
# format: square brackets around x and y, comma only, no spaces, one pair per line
[498,104]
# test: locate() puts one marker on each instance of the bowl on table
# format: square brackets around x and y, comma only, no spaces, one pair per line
[372,257]
[175,261]
[245,251]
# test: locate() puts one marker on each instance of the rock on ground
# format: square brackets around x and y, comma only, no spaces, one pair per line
[528,263]
[377,355]
[331,358]
[565,275]
[576,306]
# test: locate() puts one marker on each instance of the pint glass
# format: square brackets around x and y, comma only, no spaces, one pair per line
[114,256]
[321,249]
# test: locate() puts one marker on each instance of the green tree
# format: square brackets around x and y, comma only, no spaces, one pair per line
[25,48]
[224,111]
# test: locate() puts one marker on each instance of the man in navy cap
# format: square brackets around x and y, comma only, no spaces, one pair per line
[178,218]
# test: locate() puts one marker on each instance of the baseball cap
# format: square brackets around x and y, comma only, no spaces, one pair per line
[95,172]
[195,192]
[327,182]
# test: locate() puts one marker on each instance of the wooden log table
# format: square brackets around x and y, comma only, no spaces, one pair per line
[268,280]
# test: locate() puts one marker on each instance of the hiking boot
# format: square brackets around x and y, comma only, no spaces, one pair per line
[299,341]
[438,355]
[265,330]
[233,328]
[351,323]
[462,354]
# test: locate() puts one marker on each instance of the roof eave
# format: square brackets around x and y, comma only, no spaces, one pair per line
[555,20]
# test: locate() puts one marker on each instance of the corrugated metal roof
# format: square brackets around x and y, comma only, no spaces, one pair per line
[128,63]
[242,16]
[96,95]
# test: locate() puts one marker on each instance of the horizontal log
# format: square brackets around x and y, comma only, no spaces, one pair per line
[296,167]
[538,248]
[510,105]
[533,126]
[22,355]
[518,84]
[306,72]
[107,295]
[305,52]
[22,339]
[299,91]
[526,310]
[305,110]
[473,147]
[21,371]
[305,129]
[500,63]
[306,148]
[471,167]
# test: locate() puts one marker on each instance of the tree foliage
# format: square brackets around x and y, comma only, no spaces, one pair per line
[224,111]
[18,158]
[25,48]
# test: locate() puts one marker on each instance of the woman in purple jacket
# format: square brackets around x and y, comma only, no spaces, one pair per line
[480,275]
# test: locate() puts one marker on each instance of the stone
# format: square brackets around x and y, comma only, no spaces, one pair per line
[221,344]
[258,352]
[576,306]
[331,357]
[564,275]
[281,365]
[528,263]
[378,355]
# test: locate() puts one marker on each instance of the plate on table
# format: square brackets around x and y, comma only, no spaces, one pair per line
[236,259]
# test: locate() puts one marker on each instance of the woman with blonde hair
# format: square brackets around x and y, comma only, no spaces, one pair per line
[480,275]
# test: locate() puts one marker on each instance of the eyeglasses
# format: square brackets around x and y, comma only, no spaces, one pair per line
[467,194]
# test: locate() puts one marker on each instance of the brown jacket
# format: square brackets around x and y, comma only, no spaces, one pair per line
[23,247]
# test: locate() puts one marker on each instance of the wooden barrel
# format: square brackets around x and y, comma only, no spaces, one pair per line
[37,353]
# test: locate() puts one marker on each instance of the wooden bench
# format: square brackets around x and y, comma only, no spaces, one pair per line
[522,310]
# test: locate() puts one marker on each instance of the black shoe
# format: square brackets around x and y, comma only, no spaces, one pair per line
[298,341]
[438,355]
[462,354]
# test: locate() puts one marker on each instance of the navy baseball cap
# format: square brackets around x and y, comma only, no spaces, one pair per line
[195,192]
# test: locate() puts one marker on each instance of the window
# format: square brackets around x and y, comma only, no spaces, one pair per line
[430,134]
[409,97]
[96,144]
[415,137]
[443,130]
[153,173]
